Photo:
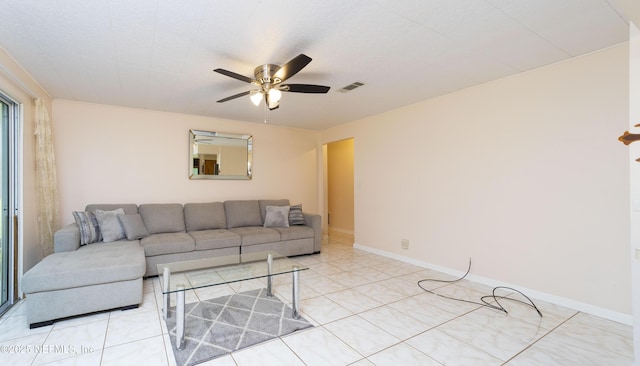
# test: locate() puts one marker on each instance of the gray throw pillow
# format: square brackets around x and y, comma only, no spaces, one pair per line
[133,226]
[110,225]
[89,227]
[277,216]
[295,215]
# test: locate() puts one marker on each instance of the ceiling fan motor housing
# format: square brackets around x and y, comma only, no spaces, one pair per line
[264,74]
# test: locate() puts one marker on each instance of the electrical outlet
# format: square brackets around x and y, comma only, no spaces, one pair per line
[404,243]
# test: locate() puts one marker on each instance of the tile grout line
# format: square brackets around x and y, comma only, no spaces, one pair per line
[540,338]
[104,341]
[42,344]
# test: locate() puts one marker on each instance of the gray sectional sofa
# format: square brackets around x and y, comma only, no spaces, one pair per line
[79,279]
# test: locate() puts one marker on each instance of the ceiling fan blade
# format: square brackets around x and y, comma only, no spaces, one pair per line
[305,88]
[234,96]
[292,67]
[234,75]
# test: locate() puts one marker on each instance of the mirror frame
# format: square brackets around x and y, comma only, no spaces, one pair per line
[195,135]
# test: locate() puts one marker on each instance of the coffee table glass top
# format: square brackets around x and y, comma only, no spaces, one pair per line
[199,273]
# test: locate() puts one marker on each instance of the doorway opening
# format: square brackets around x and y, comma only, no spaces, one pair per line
[340,195]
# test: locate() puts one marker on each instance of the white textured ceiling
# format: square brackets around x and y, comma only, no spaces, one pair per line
[159,54]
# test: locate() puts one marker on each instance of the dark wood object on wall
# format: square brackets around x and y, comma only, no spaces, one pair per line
[628,138]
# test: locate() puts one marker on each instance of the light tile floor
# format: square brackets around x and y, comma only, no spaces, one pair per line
[368,310]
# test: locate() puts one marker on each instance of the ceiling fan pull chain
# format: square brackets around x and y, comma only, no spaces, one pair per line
[266,110]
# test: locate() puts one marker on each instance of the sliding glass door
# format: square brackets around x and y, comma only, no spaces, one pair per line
[9,111]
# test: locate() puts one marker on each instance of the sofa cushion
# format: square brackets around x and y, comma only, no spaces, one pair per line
[204,216]
[87,266]
[88,227]
[129,208]
[215,239]
[242,213]
[252,235]
[296,216]
[110,226]
[295,232]
[133,226]
[162,217]
[167,243]
[277,216]
[265,203]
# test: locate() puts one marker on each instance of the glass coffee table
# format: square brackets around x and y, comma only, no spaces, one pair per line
[179,277]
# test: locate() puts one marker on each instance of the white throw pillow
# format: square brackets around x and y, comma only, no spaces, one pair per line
[277,216]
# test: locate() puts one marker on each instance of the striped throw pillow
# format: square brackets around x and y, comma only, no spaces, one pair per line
[295,215]
[88,225]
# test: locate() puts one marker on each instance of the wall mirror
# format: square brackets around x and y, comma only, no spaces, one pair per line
[215,155]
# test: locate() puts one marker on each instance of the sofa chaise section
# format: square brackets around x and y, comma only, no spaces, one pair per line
[92,278]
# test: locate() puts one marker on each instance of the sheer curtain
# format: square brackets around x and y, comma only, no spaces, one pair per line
[46,183]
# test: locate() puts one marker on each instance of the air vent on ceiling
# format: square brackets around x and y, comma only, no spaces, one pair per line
[350,87]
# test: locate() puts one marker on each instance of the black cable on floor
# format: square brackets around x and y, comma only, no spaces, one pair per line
[483,298]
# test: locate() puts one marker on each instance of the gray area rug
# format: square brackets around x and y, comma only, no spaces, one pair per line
[219,326]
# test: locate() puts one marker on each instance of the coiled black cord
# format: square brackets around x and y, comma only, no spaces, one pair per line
[483,298]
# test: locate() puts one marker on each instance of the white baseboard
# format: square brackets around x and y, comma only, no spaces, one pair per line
[626,319]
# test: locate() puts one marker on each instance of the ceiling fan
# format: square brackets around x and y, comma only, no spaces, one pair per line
[269,78]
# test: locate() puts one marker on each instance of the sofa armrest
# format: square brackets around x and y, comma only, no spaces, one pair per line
[315,222]
[66,239]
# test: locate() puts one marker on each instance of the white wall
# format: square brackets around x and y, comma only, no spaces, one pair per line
[108,154]
[524,175]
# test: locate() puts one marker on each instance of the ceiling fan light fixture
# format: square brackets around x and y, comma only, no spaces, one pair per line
[274,95]
[272,104]
[256,98]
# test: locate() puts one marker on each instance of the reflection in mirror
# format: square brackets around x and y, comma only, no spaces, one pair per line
[215,155]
